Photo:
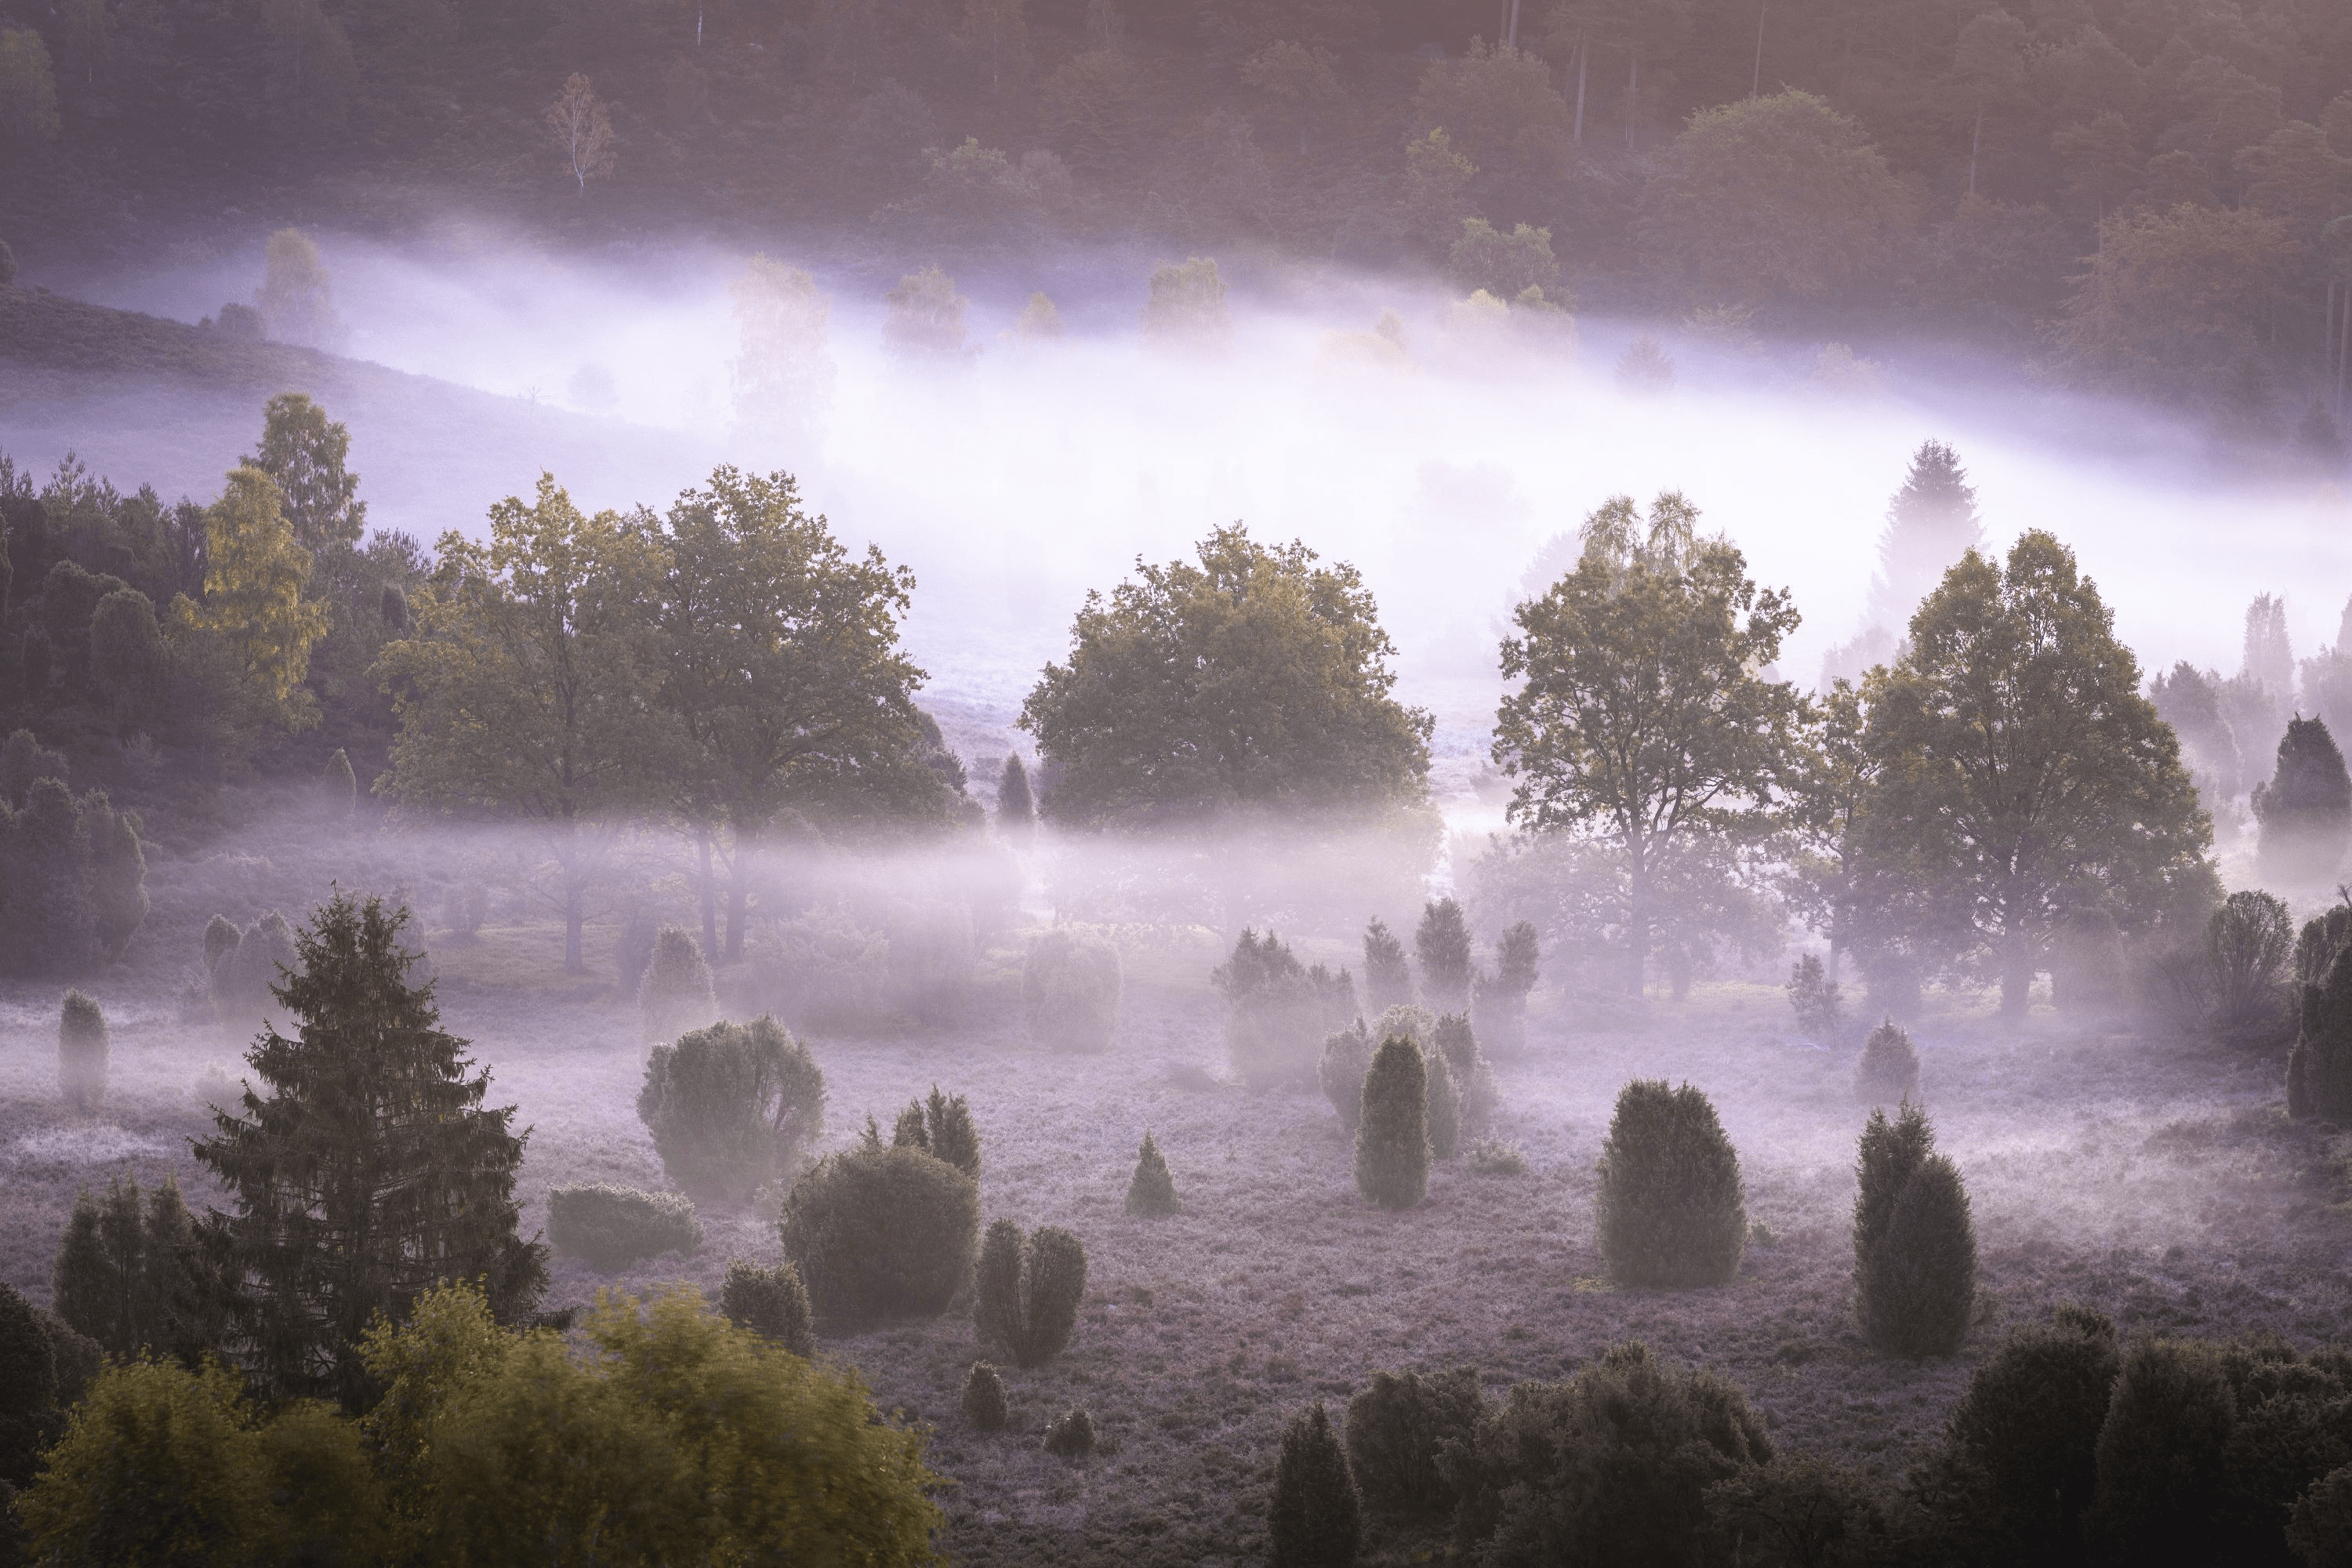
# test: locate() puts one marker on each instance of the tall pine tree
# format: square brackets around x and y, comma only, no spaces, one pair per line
[1930,524]
[373,1169]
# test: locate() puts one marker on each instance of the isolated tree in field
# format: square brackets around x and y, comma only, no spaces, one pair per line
[1915,1246]
[256,577]
[1028,1291]
[732,1107]
[305,453]
[783,684]
[1441,943]
[1672,1207]
[1931,523]
[1392,1131]
[1642,719]
[82,1042]
[364,1168]
[525,689]
[2017,765]
[1775,197]
[1256,678]
[1888,1071]
[1498,1002]
[580,130]
[782,372]
[1187,305]
[676,995]
[772,1303]
[1311,1521]
[926,316]
[2305,808]
[1151,1190]
[296,300]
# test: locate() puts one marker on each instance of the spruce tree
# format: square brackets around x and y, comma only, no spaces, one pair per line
[1443,945]
[1930,524]
[130,1277]
[1151,1193]
[1388,974]
[2304,809]
[1915,1250]
[1393,1134]
[1028,1291]
[1312,1521]
[372,1169]
[1016,808]
[81,1052]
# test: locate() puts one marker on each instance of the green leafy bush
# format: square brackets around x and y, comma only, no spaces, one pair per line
[1914,1248]
[942,1127]
[1392,1133]
[1888,1072]
[770,1302]
[2320,1530]
[1388,974]
[732,1107]
[1152,1193]
[984,1398]
[675,994]
[609,1228]
[1070,990]
[1801,1512]
[879,1231]
[1396,1427]
[1312,1520]
[1671,1207]
[1071,1435]
[81,1052]
[1029,1288]
[1441,943]
[1278,1011]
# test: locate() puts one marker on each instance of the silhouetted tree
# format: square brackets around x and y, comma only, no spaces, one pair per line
[2305,808]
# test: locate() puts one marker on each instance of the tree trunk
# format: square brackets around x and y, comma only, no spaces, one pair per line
[2016,976]
[1633,96]
[1637,928]
[1975,143]
[710,892]
[1583,58]
[738,890]
[1756,79]
[575,917]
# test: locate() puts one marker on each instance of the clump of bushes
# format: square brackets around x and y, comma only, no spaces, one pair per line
[2021,1452]
[2319,1067]
[1388,974]
[1347,1057]
[1498,1002]
[676,992]
[1392,1133]
[1070,991]
[81,1052]
[130,1276]
[879,1231]
[1312,1521]
[1441,943]
[1396,1427]
[1888,1072]
[732,1107]
[942,1127]
[1029,1290]
[1816,1000]
[1472,1077]
[609,1228]
[984,1398]
[1071,1435]
[1494,1157]
[1915,1246]
[1672,1209]
[2249,942]
[771,1302]
[2169,1423]
[1152,1193]
[1277,1010]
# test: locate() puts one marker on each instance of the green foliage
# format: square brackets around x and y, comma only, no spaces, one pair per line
[2321,1528]
[1312,1520]
[732,1107]
[676,995]
[2160,1454]
[255,580]
[1253,679]
[1498,1002]
[28,1388]
[1815,999]
[2304,809]
[1392,1133]
[2248,943]
[926,316]
[1071,1435]
[1347,1057]
[1888,1071]
[1443,1107]
[1016,808]
[366,1167]
[1441,943]
[879,1232]
[1505,265]
[1278,1011]
[81,1052]
[305,453]
[127,660]
[1670,1203]
[1396,1427]
[1914,1247]
[1494,1157]
[1387,975]
[2319,1067]
[1029,1290]
[135,1281]
[2023,1440]
[942,1127]
[1070,990]
[1187,305]
[612,1228]
[984,1398]
[770,1303]
[1152,1193]
[1801,1512]
[1612,1466]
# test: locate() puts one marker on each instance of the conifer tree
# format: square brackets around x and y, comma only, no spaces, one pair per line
[1312,1521]
[675,994]
[1671,1204]
[983,1398]
[372,1169]
[1444,1106]
[2304,809]
[118,874]
[1152,1193]
[132,1280]
[1028,1291]
[338,788]
[1016,810]
[771,1302]
[1443,945]
[1915,1251]
[1392,1136]
[1930,524]
[81,1051]
[1387,975]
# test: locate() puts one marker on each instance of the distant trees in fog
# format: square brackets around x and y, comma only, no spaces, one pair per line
[581,130]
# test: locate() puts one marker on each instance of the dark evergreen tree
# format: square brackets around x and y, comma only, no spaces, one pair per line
[118,874]
[1392,1133]
[984,1398]
[2319,1067]
[1347,1057]
[338,786]
[2022,1449]
[1016,808]
[1671,1207]
[28,1389]
[131,1278]
[1152,1193]
[2304,809]
[81,1052]
[2162,1455]
[1888,1072]
[942,1127]
[1498,1002]
[1930,524]
[1312,1521]
[366,1169]
[1914,1248]
[1028,1291]
[1442,944]
[1397,1426]
[771,1302]
[1387,975]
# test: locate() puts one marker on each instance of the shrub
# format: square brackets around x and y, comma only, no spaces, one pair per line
[1152,1193]
[2304,809]
[825,970]
[1441,943]
[1071,1435]
[2249,942]
[2320,1530]
[611,1228]
[2320,942]
[676,992]
[1888,1072]
[1494,1157]
[338,788]
[770,1303]
[732,1107]
[1029,1290]
[1670,1203]
[1387,975]
[2025,1433]
[633,950]
[2160,1455]
[1347,1057]
[1396,1427]
[1392,1135]
[2319,1067]
[1070,991]
[220,937]
[878,1231]
[1277,1010]
[1311,1521]
[1801,1511]
[1815,999]
[1445,1108]
[1473,1080]
[940,1126]
[1498,1002]
[1612,1466]
[1914,1247]
[984,1398]
[81,1052]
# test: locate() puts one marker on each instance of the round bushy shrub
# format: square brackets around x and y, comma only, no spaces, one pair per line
[1070,990]
[2161,1456]
[609,1228]
[1915,1246]
[1888,1072]
[1395,1427]
[220,938]
[1671,1208]
[1388,974]
[1072,1433]
[1312,1521]
[984,1398]
[676,992]
[1152,1193]
[1347,1057]
[1029,1290]
[1443,945]
[1445,1108]
[1392,1133]
[732,1107]
[771,1302]
[2026,1430]
[879,1231]
[81,1051]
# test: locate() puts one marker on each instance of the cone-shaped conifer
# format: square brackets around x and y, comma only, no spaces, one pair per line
[81,1052]
[1312,1521]
[1671,1207]
[984,1398]
[1915,1248]
[1392,1135]
[1151,1195]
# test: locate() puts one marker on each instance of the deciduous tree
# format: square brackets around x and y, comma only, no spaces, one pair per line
[305,453]
[581,131]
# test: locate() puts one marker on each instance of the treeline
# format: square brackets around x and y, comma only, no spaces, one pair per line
[2159,186]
